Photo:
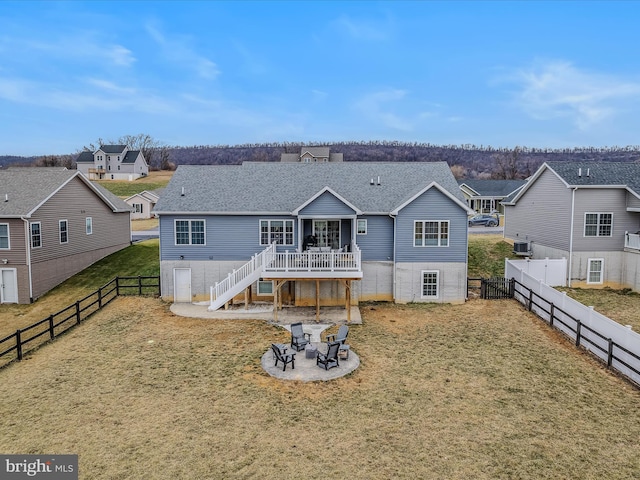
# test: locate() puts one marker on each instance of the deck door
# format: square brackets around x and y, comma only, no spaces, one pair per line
[327,232]
[182,285]
[8,286]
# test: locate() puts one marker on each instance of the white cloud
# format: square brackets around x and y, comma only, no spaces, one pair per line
[559,89]
[177,50]
[378,106]
[360,29]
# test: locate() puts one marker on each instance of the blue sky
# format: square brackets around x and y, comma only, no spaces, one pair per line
[543,74]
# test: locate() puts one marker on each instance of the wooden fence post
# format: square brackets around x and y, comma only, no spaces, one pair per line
[117,286]
[578,329]
[139,285]
[530,299]
[551,313]
[51,333]
[78,312]
[18,345]
[610,354]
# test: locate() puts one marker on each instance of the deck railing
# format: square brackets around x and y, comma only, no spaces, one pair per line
[632,240]
[311,261]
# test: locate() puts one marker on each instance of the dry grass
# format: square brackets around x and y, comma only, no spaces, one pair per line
[482,390]
[144,224]
[621,306]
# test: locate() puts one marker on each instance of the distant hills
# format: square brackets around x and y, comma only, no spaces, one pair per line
[467,160]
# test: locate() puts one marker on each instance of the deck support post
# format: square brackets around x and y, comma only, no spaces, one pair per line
[317,300]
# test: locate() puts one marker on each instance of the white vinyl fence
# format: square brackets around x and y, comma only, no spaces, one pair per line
[617,345]
[553,272]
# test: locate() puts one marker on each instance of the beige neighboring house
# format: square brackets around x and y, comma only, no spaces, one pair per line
[141,204]
[113,162]
[54,223]
[312,155]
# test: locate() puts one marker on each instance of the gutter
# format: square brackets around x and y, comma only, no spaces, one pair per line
[573,205]
[27,237]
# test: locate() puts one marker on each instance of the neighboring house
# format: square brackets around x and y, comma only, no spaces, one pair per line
[312,155]
[484,196]
[586,212]
[113,162]
[398,230]
[141,204]
[54,223]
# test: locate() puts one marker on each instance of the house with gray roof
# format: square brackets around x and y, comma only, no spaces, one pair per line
[142,203]
[313,233]
[485,196]
[54,223]
[112,162]
[586,212]
[312,155]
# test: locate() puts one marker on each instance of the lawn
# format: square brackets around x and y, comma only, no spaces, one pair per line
[138,259]
[619,305]
[483,390]
[124,189]
[487,254]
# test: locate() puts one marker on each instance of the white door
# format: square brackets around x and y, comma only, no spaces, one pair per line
[8,286]
[182,285]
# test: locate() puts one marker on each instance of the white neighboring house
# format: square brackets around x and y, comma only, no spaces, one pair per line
[113,162]
[141,204]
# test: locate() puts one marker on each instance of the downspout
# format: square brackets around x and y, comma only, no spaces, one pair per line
[27,237]
[573,205]
[394,256]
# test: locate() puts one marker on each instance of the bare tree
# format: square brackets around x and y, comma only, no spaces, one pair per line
[506,164]
[458,171]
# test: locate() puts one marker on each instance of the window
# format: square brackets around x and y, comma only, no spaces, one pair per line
[88,225]
[265,287]
[595,270]
[430,283]
[431,233]
[138,207]
[36,235]
[4,236]
[189,232]
[598,224]
[63,230]
[362,227]
[278,231]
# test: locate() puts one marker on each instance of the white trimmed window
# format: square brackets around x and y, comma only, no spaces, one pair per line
[265,287]
[595,270]
[88,225]
[138,207]
[428,233]
[598,224]
[4,236]
[278,231]
[190,232]
[362,226]
[36,235]
[63,231]
[430,283]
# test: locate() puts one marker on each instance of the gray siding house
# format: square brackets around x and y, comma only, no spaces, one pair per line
[485,196]
[586,212]
[112,162]
[314,233]
[54,223]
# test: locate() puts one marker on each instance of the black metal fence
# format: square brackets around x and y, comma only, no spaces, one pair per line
[492,288]
[33,336]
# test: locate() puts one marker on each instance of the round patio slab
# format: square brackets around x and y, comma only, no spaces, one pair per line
[306,369]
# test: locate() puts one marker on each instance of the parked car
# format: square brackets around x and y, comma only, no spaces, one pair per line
[486,220]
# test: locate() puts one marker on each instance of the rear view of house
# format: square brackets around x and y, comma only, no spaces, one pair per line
[314,232]
[53,224]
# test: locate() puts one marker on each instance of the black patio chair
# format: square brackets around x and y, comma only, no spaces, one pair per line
[281,356]
[341,336]
[299,339]
[330,359]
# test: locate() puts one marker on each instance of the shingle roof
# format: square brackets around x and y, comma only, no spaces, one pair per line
[493,188]
[263,187]
[316,151]
[85,157]
[26,188]
[131,156]
[112,148]
[599,173]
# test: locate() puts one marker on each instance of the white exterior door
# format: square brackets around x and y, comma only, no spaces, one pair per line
[182,285]
[8,286]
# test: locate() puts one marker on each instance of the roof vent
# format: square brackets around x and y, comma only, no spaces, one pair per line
[588,173]
[378,179]
[6,197]
[182,193]
[372,182]
[580,172]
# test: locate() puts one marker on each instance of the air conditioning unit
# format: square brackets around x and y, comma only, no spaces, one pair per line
[522,248]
